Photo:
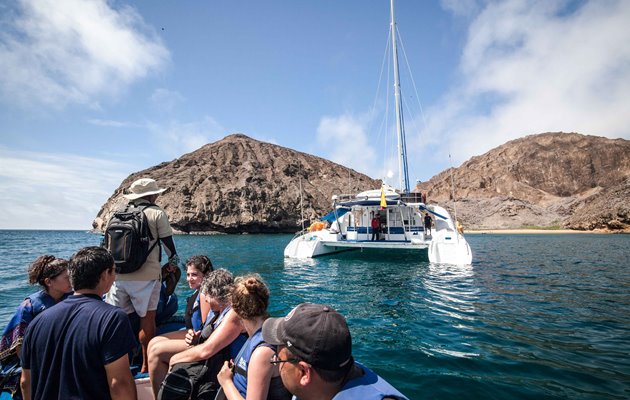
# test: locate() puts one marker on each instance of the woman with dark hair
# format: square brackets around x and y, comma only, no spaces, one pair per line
[163,347]
[51,274]
[253,376]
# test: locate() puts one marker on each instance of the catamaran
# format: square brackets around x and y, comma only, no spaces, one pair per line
[386,218]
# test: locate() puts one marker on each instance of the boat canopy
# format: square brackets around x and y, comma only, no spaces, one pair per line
[370,203]
[432,212]
[338,212]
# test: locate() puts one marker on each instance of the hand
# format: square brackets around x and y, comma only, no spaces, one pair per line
[225,375]
[192,337]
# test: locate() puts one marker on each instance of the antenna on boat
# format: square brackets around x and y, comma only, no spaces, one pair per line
[301,200]
[400,126]
[453,189]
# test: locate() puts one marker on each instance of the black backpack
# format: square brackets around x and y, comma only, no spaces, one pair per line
[127,238]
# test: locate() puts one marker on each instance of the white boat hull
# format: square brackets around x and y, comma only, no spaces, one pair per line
[450,248]
[445,245]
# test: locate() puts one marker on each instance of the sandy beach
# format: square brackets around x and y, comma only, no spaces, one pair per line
[529,231]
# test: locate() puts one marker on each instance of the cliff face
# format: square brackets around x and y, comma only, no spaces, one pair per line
[239,184]
[566,179]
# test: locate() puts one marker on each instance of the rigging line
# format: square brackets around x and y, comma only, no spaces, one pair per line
[378,87]
[413,82]
[413,120]
[386,149]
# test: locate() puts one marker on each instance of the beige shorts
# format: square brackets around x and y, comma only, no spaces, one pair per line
[138,296]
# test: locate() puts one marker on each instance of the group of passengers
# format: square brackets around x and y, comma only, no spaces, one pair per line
[228,333]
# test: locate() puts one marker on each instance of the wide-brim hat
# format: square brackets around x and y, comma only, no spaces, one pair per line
[143,187]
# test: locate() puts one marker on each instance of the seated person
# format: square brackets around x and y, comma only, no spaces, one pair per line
[51,274]
[254,376]
[315,357]
[162,348]
[225,327]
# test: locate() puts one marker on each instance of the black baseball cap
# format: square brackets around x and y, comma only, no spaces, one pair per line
[315,333]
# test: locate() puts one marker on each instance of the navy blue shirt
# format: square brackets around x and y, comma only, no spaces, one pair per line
[67,347]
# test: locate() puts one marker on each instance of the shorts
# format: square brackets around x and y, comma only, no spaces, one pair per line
[138,296]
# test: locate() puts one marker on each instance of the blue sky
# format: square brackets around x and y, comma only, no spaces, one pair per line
[92,91]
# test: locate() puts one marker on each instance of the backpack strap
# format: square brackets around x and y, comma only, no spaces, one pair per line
[142,207]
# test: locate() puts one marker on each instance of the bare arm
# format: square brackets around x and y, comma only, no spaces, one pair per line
[25,384]
[120,380]
[204,307]
[259,373]
[225,334]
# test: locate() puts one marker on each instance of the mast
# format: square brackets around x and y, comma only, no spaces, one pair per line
[400,126]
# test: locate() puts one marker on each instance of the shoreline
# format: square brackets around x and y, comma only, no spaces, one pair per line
[520,231]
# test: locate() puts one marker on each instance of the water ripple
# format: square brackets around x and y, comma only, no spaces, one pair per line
[535,316]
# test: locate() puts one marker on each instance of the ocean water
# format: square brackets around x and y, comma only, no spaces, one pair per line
[534,317]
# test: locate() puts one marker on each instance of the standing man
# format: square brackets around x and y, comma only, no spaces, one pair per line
[139,291]
[427,223]
[79,348]
[376,226]
[315,357]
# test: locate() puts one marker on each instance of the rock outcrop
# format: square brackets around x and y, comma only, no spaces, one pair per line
[551,179]
[241,185]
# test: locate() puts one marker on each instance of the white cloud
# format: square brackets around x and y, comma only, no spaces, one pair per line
[345,141]
[113,123]
[176,138]
[532,67]
[54,191]
[460,7]
[60,52]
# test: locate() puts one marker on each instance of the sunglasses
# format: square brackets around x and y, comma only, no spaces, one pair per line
[275,360]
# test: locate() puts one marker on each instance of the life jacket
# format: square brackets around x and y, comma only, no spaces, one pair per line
[192,316]
[212,324]
[242,361]
[368,387]
[276,391]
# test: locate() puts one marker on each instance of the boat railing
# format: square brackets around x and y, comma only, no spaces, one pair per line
[413,197]
[340,198]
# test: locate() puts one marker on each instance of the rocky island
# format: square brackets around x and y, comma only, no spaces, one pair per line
[241,185]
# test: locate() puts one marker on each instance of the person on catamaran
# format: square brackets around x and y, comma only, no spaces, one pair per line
[376,226]
[51,274]
[252,376]
[427,224]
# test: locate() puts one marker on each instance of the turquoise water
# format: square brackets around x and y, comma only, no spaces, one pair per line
[536,316]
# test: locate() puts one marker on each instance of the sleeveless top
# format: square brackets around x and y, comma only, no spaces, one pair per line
[277,391]
[368,387]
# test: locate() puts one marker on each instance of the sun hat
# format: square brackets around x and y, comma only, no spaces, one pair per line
[316,333]
[143,187]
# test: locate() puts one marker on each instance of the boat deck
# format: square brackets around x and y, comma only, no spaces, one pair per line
[378,244]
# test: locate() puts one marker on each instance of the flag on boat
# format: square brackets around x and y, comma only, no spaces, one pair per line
[383,201]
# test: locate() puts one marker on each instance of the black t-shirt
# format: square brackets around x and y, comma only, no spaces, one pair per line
[67,347]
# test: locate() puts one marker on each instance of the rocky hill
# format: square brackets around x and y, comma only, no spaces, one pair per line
[551,179]
[239,184]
